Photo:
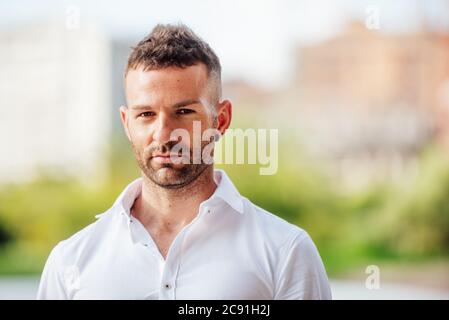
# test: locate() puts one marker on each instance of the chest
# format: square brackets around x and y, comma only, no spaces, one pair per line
[163,240]
[138,273]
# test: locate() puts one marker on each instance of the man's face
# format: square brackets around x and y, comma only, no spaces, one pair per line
[160,101]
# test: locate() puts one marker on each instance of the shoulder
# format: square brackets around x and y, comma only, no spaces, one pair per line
[71,249]
[275,229]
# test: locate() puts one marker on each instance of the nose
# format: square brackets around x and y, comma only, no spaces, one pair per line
[163,128]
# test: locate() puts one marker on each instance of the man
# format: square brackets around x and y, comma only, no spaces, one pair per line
[182,230]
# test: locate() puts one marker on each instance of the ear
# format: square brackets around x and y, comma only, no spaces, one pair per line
[224,116]
[124,117]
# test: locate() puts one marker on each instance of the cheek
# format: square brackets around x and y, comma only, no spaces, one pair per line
[196,130]
[140,134]
[202,137]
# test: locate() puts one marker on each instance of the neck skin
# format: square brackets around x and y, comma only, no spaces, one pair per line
[171,209]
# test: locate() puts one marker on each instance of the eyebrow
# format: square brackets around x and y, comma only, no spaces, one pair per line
[175,106]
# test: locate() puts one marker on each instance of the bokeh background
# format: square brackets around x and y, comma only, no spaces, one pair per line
[359,91]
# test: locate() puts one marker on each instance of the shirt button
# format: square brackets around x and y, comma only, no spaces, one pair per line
[167,286]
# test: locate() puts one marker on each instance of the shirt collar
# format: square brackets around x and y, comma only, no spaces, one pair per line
[126,199]
[225,191]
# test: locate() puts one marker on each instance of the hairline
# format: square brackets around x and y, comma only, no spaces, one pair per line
[212,76]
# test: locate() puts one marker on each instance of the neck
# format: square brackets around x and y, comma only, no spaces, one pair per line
[173,208]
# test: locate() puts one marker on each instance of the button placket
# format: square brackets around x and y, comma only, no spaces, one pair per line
[168,274]
[170,266]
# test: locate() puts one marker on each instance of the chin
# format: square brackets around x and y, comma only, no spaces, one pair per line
[167,173]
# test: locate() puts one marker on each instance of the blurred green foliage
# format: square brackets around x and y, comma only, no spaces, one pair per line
[389,221]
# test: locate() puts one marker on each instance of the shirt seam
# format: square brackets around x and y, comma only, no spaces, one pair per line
[302,235]
[58,267]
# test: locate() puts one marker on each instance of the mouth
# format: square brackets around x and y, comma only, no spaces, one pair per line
[167,158]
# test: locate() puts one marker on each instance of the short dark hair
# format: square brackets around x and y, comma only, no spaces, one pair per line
[174,46]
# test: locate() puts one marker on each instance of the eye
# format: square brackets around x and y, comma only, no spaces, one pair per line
[184,111]
[146,114]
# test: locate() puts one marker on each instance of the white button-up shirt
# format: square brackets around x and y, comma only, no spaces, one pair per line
[232,249]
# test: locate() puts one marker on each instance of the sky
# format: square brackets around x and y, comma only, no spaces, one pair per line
[255,39]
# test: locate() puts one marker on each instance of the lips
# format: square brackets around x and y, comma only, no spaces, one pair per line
[161,155]
[166,157]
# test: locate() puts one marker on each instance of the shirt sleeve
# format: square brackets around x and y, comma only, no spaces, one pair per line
[302,275]
[51,286]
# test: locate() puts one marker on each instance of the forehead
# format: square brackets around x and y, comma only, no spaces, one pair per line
[172,81]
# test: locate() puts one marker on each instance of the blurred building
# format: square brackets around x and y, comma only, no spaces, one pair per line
[364,103]
[120,51]
[54,102]
[369,101]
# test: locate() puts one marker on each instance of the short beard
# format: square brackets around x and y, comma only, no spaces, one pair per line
[170,176]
